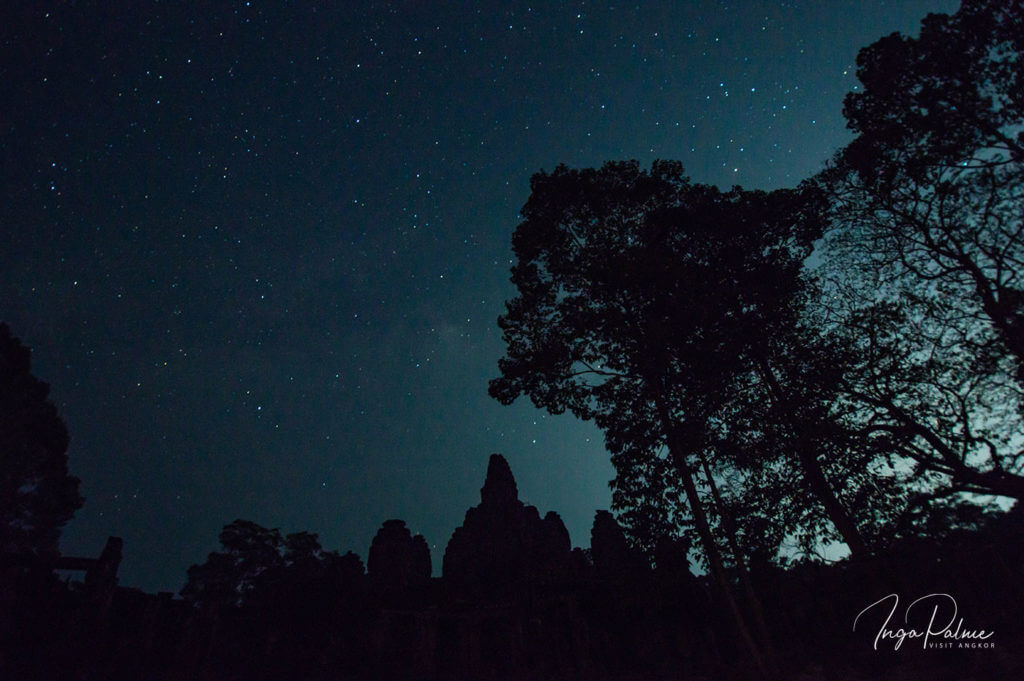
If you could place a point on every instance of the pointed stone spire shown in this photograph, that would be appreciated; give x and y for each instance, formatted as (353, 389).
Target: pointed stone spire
(503, 544)
(499, 487)
(397, 558)
(609, 548)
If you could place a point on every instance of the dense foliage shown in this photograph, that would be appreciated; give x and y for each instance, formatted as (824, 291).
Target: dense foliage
(37, 495)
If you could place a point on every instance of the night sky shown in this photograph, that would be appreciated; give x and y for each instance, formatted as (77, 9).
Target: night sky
(258, 249)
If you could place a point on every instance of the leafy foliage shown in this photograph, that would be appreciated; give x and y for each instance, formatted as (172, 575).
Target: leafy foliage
(256, 562)
(37, 495)
(952, 96)
(924, 258)
(656, 307)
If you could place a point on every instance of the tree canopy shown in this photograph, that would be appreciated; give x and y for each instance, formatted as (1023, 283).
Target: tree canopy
(664, 311)
(37, 495)
(841, 396)
(951, 97)
(645, 302)
(255, 562)
(925, 251)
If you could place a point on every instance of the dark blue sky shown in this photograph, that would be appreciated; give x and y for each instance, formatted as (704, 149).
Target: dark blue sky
(259, 249)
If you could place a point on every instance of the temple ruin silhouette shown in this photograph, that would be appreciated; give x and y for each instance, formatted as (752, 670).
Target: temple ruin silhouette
(514, 601)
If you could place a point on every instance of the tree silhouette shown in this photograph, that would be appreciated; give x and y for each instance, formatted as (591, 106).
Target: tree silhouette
(935, 177)
(649, 499)
(228, 577)
(925, 255)
(954, 95)
(37, 496)
(271, 604)
(642, 301)
(253, 557)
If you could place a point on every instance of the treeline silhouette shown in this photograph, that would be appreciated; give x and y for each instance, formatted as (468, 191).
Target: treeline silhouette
(813, 398)
(515, 601)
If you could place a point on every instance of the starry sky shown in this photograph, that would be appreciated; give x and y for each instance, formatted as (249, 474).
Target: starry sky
(258, 249)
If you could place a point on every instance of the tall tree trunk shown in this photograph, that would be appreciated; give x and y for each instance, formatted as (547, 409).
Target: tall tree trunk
(756, 609)
(811, 467)
(677, 450)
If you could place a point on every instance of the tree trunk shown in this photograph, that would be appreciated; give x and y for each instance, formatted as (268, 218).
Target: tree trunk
(678, 452)
(811, 468)
(756, 609)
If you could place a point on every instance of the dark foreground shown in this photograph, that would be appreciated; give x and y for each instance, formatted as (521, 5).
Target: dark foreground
(516, 602)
